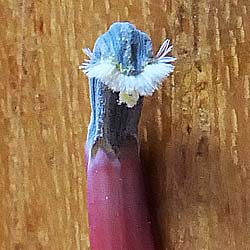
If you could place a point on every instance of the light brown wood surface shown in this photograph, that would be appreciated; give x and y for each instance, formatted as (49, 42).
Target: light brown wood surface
(194, 132)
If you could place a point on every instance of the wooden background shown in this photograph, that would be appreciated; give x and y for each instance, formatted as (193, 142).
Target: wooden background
(194, 132)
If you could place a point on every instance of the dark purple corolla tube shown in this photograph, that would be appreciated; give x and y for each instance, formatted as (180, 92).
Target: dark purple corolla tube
(121, 71)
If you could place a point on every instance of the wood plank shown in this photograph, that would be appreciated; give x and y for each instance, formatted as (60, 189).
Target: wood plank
(194, 131)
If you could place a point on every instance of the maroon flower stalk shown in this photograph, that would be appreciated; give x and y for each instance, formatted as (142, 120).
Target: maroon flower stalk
(118, 216)
(121, 70)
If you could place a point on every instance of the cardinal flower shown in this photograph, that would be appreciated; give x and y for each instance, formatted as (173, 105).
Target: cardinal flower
(121, 70)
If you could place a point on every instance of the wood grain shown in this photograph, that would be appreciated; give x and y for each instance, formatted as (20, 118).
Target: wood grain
(194, 131)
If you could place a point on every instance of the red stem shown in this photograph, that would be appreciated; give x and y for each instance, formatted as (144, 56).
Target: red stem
(117, 209)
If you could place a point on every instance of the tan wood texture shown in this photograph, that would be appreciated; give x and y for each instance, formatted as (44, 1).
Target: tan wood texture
(195, 133)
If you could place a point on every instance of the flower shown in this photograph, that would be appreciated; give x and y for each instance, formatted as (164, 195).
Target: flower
(130, 86)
